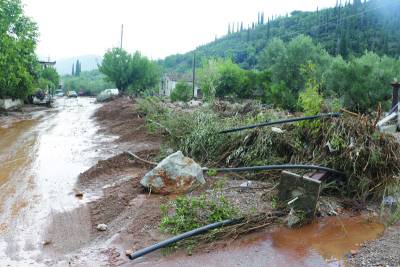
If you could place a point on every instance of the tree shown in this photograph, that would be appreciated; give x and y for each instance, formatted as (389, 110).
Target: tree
(284, 61)
(18, 62)
(182, 92)
(208, 77)
(362, 83)
(230, 80)
(49, 74)
(78, 69)
(116, 66)
(129, 71)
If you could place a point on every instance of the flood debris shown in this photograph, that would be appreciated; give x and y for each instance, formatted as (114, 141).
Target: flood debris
(175, 174)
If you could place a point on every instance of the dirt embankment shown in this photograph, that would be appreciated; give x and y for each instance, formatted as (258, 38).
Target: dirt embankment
(112, 189)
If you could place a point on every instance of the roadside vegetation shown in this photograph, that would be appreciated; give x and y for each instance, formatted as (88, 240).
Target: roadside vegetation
(131, 73)
(88, 82)
(358, 84)
(21, 74)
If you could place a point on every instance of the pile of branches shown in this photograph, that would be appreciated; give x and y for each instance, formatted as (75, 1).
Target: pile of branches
(353, 145)
(369, 159)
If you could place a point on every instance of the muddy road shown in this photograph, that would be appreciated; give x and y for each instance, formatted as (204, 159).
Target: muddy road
(41, 159)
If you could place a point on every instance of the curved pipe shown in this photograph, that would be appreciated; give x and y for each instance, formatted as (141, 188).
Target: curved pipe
(177, 238)
(277, 167)
(327, 115)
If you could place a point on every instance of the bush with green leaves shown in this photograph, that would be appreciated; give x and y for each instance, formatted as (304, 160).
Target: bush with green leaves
(187, 213)
(362, 83)
(182, 92)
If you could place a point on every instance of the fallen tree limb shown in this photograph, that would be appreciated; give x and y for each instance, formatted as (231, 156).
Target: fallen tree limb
(140, 159)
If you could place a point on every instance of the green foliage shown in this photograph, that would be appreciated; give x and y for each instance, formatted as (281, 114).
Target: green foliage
(78, 69)
(182, 92)
(212, 172)
(223, 78)
(187, 213)
(346, 30)
(285, 61)
(310, 100)
(129, 71)
(230, 79)
(209, 77)
(49, 79)
(280, 95)
(362, 83)
(18, 62)
(89, 82)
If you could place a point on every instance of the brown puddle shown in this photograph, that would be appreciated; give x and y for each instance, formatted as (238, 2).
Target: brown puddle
(13, 154)
(332, 237)
(326, 243)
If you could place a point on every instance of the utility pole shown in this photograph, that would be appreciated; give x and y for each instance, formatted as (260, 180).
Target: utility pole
(122, 34)
(395, 96)
(194, 74)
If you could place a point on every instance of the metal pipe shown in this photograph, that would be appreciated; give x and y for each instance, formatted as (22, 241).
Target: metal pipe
(277, 167)
(327, 115)
(177, 238)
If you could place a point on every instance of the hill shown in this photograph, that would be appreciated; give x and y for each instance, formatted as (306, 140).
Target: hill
(88, 63)
(346, 30)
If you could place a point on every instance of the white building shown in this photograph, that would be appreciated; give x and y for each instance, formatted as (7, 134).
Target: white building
(169, 81)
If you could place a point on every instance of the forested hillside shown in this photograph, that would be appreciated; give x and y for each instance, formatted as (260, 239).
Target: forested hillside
(346, 30)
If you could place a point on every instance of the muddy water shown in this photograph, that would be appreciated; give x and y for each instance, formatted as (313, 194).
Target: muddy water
(39, 163)
(326, 243)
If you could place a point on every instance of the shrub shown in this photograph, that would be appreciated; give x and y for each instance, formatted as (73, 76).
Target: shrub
(187, 213)
(182, 92)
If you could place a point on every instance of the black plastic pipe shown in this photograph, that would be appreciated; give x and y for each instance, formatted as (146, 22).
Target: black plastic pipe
(327, 115)
(177, 238)
(277, 167)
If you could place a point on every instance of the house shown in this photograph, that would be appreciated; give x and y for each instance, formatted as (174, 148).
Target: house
(169, 81)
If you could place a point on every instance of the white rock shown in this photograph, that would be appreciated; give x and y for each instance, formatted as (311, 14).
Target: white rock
(175, 174)
(194, 103)
(277, 130)
(101, 227)
(246, 184)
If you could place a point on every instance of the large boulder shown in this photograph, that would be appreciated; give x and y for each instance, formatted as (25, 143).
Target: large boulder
(175, 174)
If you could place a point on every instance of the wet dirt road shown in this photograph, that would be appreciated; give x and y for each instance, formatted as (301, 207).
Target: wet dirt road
(40, 160)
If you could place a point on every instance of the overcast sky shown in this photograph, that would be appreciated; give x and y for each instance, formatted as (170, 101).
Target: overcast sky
(157, 28)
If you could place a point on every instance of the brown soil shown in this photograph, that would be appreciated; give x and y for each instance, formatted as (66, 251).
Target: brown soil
(119, 117)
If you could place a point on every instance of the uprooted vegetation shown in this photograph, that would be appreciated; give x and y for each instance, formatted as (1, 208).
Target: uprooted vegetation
(350, 144)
